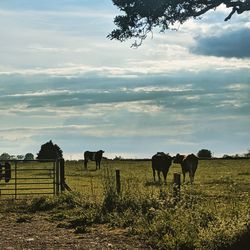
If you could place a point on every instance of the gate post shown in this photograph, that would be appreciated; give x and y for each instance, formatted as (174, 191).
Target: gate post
(62, 175)
(15, 180)
(57, 177)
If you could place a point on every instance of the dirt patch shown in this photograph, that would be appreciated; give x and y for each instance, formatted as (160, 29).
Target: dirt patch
(26, 232)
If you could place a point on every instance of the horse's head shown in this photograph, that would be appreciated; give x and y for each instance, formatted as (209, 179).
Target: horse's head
(178, 158)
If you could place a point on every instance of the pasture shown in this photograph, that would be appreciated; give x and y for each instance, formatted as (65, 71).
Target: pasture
(213, 213)
(214, 178)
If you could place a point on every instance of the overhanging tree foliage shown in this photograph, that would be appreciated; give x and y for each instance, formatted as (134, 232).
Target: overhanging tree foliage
(142, 16)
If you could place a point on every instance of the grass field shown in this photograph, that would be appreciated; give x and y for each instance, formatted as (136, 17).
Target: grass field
(214, 178)
(213, 213)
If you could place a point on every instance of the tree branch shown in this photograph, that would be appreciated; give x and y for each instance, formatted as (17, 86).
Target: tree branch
(209, 7)
(230, 15)
(142, 16)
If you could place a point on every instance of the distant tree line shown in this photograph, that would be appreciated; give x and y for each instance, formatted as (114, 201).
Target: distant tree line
(237, 156)
(5, 156)
(48, 151)
(205, 153)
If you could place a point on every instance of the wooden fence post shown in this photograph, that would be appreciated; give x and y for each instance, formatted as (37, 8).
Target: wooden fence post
(118, 181)
(63, 183)
(57, 182)
(177, 186)
(15, 180)
(62, 174)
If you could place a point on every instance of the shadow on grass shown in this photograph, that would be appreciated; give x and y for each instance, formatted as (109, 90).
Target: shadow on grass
(222, 180)
(242, 243)
(153, 183)
(90, 170)
(244, 173)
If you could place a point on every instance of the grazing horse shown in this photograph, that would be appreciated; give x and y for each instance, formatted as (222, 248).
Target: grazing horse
(93, 156)
(161, 162)
(189, 163)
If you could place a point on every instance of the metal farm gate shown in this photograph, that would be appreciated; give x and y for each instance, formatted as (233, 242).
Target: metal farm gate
(21, 178)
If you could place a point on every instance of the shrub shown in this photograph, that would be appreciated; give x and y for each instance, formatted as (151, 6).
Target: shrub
(204, 153)
(50, 151)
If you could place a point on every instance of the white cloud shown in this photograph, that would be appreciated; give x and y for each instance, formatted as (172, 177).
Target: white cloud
(43, 42)
(40, 48)
(148, 89)
(44, 93)
(238, 86)
(136, 68)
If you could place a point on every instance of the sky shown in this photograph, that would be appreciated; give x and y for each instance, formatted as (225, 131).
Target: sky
(61, 79)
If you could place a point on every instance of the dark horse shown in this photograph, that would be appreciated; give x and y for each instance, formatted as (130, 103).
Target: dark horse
(161, 162)
(93, 156)
(189, 163)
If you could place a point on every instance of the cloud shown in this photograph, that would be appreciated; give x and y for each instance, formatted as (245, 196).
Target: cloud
(61, 79)
(177, 90)
(56, 5)
(232, 43)
(71, 43)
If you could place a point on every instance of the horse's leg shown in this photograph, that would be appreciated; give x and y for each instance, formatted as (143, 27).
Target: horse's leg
(159, 173)
(154, 174)
(85, 163)
(184, 174)
(194, 170)
(191, 176)
(165, 177)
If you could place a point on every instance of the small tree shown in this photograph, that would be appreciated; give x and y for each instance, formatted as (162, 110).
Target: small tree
(29, 156)
(13, 157)
(20, 157)
(204, 153)
(50, 151)
(247, 154)
(117, 158)
(4, 156)
(227, 156)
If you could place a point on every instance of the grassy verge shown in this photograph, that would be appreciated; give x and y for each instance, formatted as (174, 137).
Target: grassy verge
(197, 221)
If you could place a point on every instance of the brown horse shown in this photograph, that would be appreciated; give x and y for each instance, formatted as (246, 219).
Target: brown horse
(189, 163)
(161, 162)
(93, 156)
